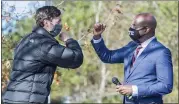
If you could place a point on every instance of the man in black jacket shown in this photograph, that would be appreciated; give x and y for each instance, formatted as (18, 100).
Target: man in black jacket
(37, 56)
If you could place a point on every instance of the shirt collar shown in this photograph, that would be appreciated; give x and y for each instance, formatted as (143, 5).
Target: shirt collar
(145, 43)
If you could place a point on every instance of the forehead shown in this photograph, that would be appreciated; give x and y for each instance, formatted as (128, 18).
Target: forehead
(138, 20)
(57, 19)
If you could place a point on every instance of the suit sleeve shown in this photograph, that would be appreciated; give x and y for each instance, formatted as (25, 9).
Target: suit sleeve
(164, 71)
(109, 56)
(70, 56)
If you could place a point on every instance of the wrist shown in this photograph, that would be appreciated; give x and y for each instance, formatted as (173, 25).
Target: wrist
(66, 39)
(134, 90)
(96, 37)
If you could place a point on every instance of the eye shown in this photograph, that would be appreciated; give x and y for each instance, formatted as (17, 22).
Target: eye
(141, 28)
(132, 25)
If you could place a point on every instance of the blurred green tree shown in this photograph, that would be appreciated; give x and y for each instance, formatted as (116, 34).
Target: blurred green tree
(85, 83)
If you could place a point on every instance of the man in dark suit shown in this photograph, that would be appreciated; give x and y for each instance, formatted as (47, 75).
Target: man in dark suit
(148, 68)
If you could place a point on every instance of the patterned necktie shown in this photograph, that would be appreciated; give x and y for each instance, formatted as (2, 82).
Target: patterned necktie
(135, 54)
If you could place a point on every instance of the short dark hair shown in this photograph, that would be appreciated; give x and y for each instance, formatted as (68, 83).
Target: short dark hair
(46, 12)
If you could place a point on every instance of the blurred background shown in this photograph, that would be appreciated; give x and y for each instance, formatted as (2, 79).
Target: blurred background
(91, 83)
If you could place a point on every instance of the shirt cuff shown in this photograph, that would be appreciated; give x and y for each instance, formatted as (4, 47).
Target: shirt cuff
(134, 90)
(97, 41)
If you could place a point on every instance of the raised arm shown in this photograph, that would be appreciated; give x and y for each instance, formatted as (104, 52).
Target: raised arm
(70, 56)
(106, 55)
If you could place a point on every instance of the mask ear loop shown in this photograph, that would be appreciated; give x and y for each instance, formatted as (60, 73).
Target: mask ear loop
(144, 27)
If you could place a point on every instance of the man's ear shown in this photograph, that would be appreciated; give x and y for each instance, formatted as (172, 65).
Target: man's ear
(45, 22)
(146, 30)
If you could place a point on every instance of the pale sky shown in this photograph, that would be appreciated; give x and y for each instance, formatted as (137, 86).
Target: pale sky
(22, 6)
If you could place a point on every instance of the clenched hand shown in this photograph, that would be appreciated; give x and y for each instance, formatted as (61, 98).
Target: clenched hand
(124, 89)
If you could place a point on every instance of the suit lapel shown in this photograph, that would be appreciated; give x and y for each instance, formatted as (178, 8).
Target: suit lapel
(129, 64)
(146, 51)
(130, 60)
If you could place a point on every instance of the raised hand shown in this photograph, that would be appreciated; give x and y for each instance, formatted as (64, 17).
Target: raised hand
(98, 30)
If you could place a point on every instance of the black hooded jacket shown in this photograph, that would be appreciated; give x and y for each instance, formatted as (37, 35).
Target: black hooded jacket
(35, 60)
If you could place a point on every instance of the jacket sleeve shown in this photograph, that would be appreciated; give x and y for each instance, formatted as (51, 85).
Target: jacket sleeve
(164, 71)
(109, 56)
(70, 56)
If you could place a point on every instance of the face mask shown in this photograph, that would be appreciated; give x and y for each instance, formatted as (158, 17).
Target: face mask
(56, 30)
(134, 34)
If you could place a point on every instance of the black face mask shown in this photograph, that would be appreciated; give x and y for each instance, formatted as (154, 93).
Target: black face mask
(56, 30)
(134, 34)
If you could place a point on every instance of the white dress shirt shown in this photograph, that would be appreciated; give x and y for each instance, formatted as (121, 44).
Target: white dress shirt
(144, 45)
